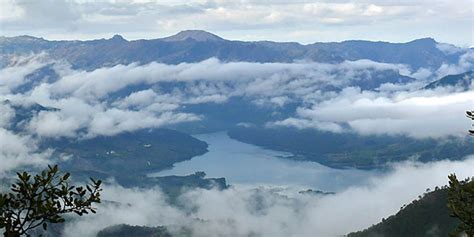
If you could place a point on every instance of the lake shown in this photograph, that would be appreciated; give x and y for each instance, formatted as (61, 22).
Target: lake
(246, 164)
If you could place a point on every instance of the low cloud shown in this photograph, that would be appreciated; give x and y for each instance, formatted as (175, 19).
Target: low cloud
(272, 211)
(110, 100)
(14, 75)
(19, 151)
(419, 114)
(449, 49)
(466, 63)
(6, 115)
(393, 109)
(103, 101)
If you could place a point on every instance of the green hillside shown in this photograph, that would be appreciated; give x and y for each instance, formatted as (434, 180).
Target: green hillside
(428, 216)
(342, 150)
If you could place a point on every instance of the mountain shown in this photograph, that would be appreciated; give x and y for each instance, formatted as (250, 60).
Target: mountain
(193, 46)
(342, 150)
(133, 231)
(23, 114)
(128, 156)
(196, 35)
(315, 192)
(429, 55)
(173, 186)
(463, 80)
(196, 45)
(426, 217)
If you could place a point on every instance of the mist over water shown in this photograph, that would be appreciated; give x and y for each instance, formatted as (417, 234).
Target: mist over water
(266, 210)
(113, 90)
(242, 163)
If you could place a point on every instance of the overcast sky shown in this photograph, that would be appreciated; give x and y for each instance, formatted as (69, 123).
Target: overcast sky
(303, 21)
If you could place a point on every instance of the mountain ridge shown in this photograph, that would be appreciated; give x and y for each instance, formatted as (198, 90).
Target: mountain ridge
(182, 35)
(195, 46)
(463, 80)
(198, 35)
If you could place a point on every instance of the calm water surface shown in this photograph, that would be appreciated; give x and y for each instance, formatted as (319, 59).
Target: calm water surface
(242, 163)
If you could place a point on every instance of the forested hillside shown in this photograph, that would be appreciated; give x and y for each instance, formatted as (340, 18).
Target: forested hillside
(428, 216)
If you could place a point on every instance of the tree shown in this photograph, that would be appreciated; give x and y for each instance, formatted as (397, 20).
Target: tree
(42, 199)
(461, 203)
(461, 198)
(470, 114)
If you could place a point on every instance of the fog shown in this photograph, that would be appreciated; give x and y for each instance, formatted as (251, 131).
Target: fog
(110, 100)
(100, 102)
(419, 114)
(88, 104)
(272, 210)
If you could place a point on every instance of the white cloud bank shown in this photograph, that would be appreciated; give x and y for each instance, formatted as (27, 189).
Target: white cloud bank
(89, 107)
(17, 150)
(86, 99)
(417, 114)
(106, 101)
(103, 101)
(267, 211)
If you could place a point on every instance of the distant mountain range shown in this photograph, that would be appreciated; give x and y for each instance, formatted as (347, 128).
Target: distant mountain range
(130, 156)
(195, 45)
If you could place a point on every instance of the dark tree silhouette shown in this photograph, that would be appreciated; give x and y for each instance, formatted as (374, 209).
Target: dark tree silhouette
(470, 114)
(461, 203)
(461, 198)
(42, 199)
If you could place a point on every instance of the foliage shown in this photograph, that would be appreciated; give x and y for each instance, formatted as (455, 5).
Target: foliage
(430, 216)
(461, 203)
(134, 231)
(470, 114)
(126, 155)
(42, 199)
(173, 186)
(427, 216)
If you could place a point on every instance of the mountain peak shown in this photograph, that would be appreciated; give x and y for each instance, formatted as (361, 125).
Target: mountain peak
(117, 38)
(426, 40)
(197, 35)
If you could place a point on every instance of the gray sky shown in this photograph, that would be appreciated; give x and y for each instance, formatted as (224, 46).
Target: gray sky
(303, 21)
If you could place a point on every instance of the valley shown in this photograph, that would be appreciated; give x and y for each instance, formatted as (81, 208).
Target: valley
(197, 134)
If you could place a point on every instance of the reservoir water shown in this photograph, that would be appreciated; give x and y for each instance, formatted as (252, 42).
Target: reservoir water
(242, 163)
